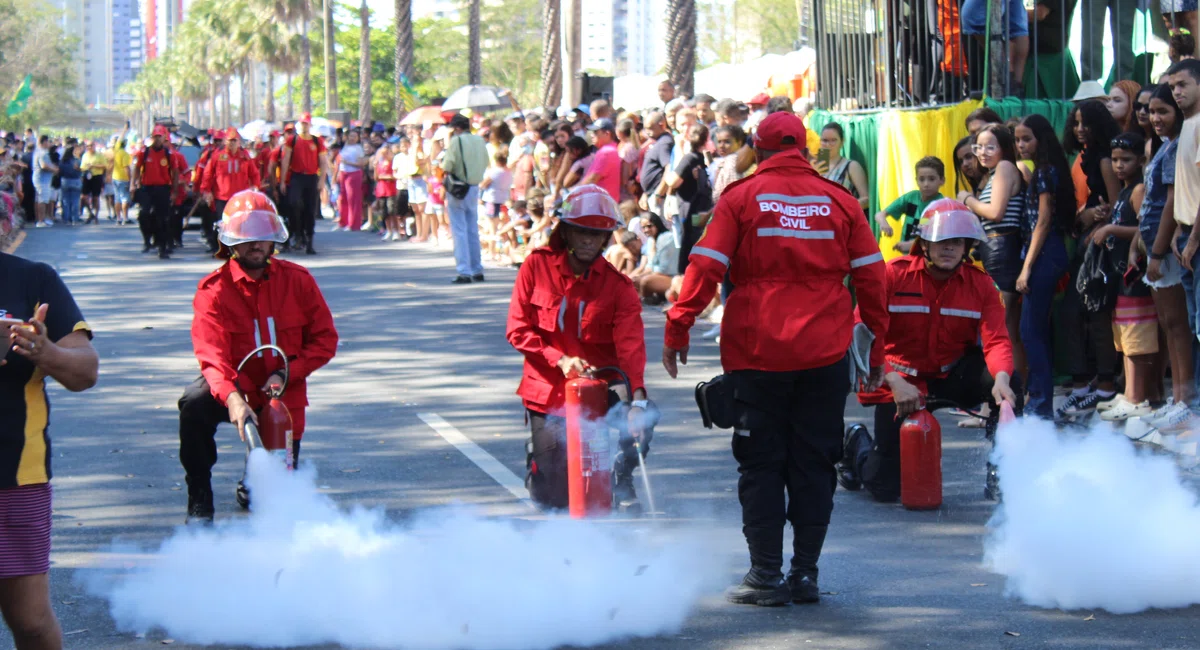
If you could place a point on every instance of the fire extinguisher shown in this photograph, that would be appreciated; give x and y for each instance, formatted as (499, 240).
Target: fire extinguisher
(921, 461)
(274, 430)
(589, 461)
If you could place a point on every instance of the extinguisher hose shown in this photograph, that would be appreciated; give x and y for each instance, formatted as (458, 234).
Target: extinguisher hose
(624, 377)
(282, 355)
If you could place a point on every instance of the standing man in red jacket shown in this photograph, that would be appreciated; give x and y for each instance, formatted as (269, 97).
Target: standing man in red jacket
(941, 307)
(788, 239)
(252, 300)
(572, 311)
(304, 166)
(229, 171)
(157, 173)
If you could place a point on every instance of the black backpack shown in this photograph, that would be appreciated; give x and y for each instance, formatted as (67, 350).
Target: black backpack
(1098, 281)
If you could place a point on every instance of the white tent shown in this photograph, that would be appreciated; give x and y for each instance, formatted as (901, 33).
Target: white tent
(740, 81)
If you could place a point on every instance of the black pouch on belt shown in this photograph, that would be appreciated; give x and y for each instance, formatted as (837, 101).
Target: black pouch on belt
(715, 399)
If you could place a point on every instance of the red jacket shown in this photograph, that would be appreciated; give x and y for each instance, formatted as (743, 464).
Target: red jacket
(596, 317)
(201, 163)
(788, 238)
(933, 326)
(234, 315)
(227, 174)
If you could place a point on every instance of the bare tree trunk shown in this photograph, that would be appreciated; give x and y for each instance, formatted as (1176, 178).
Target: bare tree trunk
(306, 55)
(290, 98)
(331, 99)
(551, 53)
(269, 109)
(475, 65)
(681, 45)
(404, 56)
(212, 103)
(244, 92)
(572, 66)
(364, 65)
(226, 113)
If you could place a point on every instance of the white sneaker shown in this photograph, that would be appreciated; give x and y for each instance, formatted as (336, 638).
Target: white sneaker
(717, 315)
(1181, 420)
(1125, 410)
(43, 224)
(712, 333)
(1112, 403)
(1164, 414)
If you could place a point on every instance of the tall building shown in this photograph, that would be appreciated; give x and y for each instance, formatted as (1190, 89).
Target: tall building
(623, 36)
(160, 18)
(109, 36)
(127, 47)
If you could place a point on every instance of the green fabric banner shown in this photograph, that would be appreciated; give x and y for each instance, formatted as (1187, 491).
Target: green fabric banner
(21, 100)
(862, 143)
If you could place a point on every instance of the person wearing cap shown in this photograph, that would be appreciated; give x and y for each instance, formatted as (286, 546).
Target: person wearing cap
(788, 238)
(465, 159)
(571, 312)
(605, 170)
(253, 299)
(156, 172)
(229, 171)
(941, 307)
(303, 169)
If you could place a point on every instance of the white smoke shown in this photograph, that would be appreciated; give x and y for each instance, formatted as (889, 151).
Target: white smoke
(1091, 522)
(300, 571)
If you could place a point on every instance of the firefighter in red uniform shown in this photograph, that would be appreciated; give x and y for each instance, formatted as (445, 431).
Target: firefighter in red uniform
(941, 306)
(228, 172)
(571, 312)
(251, 300)
(304, 166)
(788, 238)
(178, 197)
(154, 172)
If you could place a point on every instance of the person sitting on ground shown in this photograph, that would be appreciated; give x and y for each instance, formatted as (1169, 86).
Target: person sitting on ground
(515, 232)
(625, 253)
(654, 280)
(933, 289)
(931, 175)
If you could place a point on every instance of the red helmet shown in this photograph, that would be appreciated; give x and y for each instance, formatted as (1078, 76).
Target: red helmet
(161, 130)
(949, 219)
(251, 216)
(591, 207)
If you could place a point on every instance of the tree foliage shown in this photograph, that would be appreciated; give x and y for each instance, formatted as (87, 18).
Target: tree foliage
(32, 42)
(741, 30)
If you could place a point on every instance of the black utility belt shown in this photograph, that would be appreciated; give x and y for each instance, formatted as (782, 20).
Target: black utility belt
(715, 399)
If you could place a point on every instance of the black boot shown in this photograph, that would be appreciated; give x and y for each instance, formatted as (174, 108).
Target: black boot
(242, 495)
(762, 587)
(855, 447)
(624, 496)
(200, 503)
(807, 542)
(991, 489)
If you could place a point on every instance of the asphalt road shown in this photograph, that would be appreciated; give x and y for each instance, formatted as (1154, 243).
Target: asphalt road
(412, 344)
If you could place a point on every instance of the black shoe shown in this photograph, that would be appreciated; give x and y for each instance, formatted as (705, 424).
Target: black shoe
(623, 493)
(991, 489)
(478, 277)
(310, 251)
(461, 279)
(164, 255)
(857, 437)
(804, 589)
(211, 250)
(177, 244)
(760, 587)
(200, 505)
(242, 495)
(147, 248)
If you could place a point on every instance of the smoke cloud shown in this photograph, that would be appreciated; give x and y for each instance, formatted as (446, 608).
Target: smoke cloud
(300, 571)
(1092, 522)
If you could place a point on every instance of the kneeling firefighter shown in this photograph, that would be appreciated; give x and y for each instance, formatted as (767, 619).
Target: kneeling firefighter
(941, 306)
(573, 313)
(252, 300)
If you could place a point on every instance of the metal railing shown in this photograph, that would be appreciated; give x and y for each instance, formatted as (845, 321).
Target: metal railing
(875, 54)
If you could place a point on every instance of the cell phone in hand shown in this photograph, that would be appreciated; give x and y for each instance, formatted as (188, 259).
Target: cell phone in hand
(822, 162)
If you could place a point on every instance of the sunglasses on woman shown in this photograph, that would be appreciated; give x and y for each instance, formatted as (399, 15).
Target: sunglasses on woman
(1139, 107)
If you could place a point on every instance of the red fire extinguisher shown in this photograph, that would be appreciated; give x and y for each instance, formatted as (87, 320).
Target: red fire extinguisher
(921, 461)
(589, 462)
(274, 430)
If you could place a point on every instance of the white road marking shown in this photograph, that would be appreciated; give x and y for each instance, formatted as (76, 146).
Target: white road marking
(481, 458)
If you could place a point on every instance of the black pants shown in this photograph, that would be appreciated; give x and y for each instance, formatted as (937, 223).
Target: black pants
(304, 199)
(548, 472)
(787, 439)
(209, 221)
(199, 416)
(968, 384)
(155, 217)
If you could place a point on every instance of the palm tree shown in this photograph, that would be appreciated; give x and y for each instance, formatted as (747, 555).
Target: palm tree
(551, 53)
(681, 45)
(331, 97)
(293, 12)
(404, 55)
(475, 66)
(364, 65)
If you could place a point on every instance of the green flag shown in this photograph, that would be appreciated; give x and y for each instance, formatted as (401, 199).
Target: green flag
(21, 99)
(408, 95)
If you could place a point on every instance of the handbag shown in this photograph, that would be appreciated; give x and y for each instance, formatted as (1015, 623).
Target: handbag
(455, 186)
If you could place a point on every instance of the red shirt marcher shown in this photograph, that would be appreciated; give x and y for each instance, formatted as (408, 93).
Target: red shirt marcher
(155, 166)
(201, 163)
(933, 324)
(179, 194)
(384, 187)
(235, 314)
(306, 154)
(788, 239)
(596, 317)
(227, 174)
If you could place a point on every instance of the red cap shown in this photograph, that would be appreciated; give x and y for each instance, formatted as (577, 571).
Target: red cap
(760, 99)
(775, 127)
(232, 134)
(276, 134)
(161, 130)
(216, 134)
(305, 118)
(289, 127)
